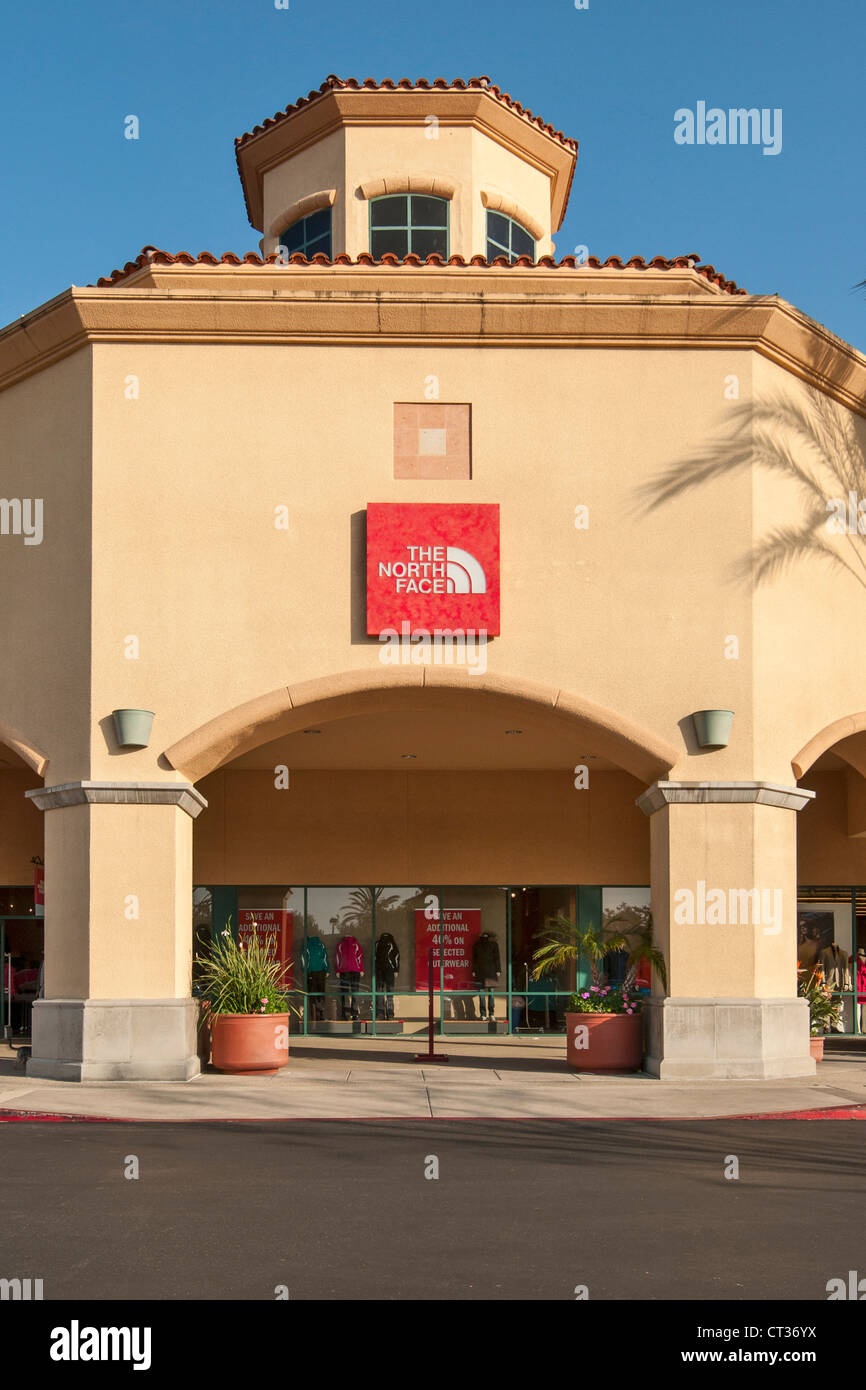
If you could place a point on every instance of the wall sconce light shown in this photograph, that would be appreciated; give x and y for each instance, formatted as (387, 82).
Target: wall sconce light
(132, 727)
(713, 727)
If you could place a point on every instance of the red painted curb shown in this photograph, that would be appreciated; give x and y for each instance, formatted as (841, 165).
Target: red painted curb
(22, 1116)
(852, 1112)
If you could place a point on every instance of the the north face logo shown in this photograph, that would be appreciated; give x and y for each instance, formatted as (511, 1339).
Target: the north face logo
(435, 569)
(432, 566)
(464, 572)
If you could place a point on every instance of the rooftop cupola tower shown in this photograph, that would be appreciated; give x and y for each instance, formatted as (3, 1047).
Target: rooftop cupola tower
(408, 168)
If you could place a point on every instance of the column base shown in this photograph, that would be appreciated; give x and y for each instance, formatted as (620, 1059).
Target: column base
(709, 1039)
(114, 1040)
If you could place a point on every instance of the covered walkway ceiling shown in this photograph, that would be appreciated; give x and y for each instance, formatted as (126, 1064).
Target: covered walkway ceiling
(471, 740)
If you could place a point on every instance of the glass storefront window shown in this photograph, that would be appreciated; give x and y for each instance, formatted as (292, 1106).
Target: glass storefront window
(625, 912)
(202, 929)
(337, 949)
(22, 953)
(360, 953)
(401, 917)
(473, 932)
(273, 912)
(825, 939)
(538, 1006)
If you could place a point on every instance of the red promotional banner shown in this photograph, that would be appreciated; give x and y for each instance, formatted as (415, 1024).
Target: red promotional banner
(39, 891)
(454, 936)
(273, 928)
(434, 566)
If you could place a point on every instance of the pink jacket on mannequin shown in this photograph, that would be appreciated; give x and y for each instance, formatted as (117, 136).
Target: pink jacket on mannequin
(349, 956)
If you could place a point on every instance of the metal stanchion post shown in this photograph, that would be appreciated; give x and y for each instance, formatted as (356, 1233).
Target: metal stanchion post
(430, 1055)
(7, 991)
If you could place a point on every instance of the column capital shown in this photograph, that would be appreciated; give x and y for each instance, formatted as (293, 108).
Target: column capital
(182, 794)
(701, 793)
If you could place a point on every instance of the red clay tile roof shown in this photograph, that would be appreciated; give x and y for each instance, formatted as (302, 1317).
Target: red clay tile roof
(351, 84)
(150, 255)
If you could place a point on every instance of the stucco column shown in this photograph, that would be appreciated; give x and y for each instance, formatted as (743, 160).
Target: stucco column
(724, 896)
(118, 933)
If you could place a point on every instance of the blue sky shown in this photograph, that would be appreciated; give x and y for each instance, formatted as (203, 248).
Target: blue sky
(79, 199)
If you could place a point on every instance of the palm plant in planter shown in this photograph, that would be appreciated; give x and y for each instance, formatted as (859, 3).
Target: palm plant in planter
(245, 1004)
(603, 1031)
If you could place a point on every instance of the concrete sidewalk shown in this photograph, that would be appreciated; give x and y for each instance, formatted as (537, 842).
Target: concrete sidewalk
(330, 1078)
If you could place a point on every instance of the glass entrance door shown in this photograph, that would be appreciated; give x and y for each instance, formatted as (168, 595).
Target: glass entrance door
(22, 952)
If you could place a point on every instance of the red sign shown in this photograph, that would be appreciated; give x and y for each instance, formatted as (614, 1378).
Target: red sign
(454, 937)
(272, 926)
(39, 891)
(433, 566)
(644, 975)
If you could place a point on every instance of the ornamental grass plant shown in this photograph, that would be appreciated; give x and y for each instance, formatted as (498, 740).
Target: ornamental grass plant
(244, 977)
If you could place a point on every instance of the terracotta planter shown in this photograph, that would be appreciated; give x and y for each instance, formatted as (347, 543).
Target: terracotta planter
(250, 1044)
(604, 1042)
(816, 1048)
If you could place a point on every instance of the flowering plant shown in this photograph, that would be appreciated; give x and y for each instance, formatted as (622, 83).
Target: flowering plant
(243, 978)
(824, 1008)
(605, 999)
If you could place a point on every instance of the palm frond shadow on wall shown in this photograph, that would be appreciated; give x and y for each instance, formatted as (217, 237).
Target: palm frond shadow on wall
(816, 444)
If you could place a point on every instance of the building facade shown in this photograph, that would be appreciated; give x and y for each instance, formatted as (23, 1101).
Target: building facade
(423, 549)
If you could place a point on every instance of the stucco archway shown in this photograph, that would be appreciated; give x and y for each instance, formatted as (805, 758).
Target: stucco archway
(24, 748)
(291, 708)
(845, 736)
(844, 740)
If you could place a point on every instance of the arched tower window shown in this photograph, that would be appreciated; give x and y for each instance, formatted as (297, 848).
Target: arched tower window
(409, 222)
(505, 237)
(310, 235)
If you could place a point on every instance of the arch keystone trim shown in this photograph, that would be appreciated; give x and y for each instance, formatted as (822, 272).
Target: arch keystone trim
(314, 202)
(498, 202)
(433, 184)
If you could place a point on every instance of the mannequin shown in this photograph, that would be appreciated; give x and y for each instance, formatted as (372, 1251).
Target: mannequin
(349, 965)
(387, 969)
(861, 985)
(809, 948)
(836, 964)
(486, 968)
(314, 958)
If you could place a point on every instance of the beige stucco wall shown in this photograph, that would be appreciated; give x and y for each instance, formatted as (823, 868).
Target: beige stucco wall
(826, 852)
(395, 827)
(45, 452)
(631, 614)
(21, 827)
(317, 168)
(725, 847)
(809, 668)
(541, 829)
(118, 913)
(226, 607)
(496, 170)
(592, 838)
